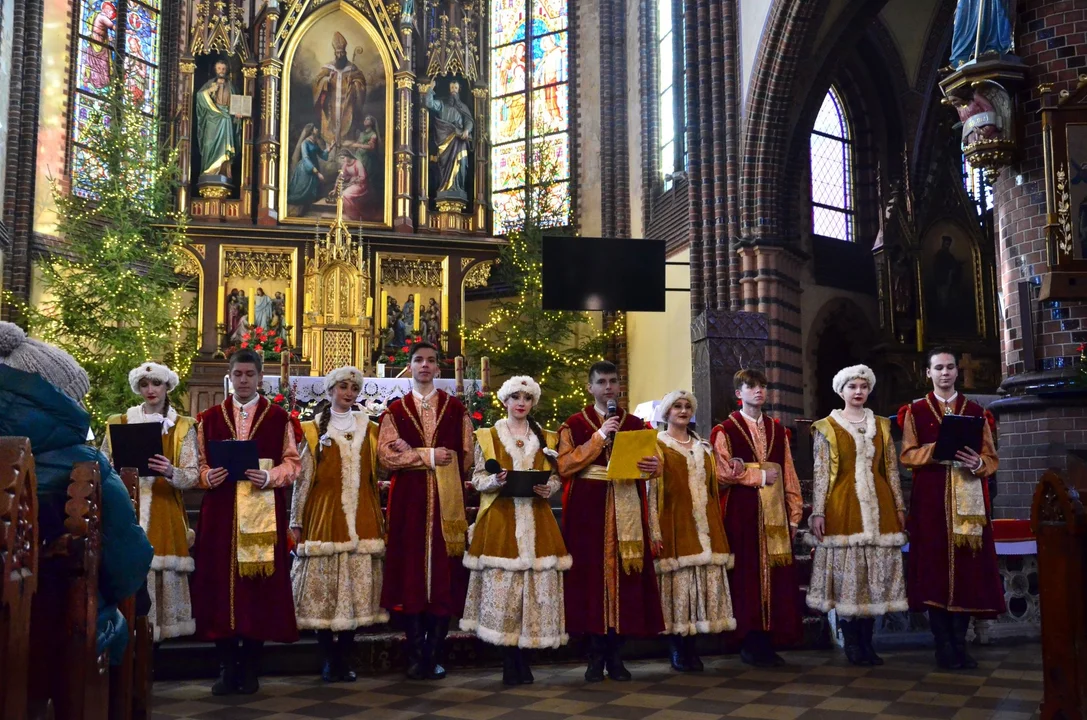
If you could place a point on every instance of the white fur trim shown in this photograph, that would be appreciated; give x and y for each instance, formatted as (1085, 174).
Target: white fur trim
(173, 562)
(704, 627)
(669, 400)
(523, 457)
(347, 372)
(704, 558)
(844, 375)
(180, 629)
(316, 548)
(190, 536)
(864, 610)
(696, 484)
(146, 483)
(519, 383)
(493, 637)
(524, 524)
(341, 624)
(154, 371)
(551, 562)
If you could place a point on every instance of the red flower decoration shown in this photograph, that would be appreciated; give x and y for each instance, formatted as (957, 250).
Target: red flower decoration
(278, 398)
(272, 334)
(477, 416)
(391, 358)
(245, 344)
(245, 336)
(405, 349)
(294, 413)
(259, 348)
(479, 394)
(418, 339)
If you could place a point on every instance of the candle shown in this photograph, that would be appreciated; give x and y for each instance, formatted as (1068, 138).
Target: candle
(920, 336)
(369, 307)
(221, 310)
(485, 373)
(416, 318)
(458, 370)
(384, 309)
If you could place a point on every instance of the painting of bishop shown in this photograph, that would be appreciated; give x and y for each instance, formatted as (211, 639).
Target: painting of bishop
(337, 120)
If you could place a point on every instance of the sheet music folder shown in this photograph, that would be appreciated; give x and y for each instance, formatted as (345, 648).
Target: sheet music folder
(133, 444)
(236, 456)
(519, 483)
(957, 432)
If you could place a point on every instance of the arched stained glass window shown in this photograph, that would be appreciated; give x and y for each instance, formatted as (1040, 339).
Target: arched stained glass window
(671, 98)
(530, 100)
(832, 171)
(101, 23)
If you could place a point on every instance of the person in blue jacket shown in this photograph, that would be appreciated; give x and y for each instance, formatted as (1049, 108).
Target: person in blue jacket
(41, 388)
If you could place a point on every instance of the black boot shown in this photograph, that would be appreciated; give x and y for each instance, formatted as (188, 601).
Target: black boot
(867, 630)
(960, 622)
(675, 653)
(523, 670)
(597, 648)
(940, 622)
(345, 642)
(250, 666)
(413, 641)
(227, 684)
(327, 645)
(690, 654)
(854, 653)
(510, 676)
(749, 650)
(613, 661)
(436, 630)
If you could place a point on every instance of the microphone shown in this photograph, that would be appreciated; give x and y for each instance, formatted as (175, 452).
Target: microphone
(493, 466)
(613, 411)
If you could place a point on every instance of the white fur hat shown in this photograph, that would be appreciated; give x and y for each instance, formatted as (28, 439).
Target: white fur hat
(670, 399)
(152, 371)
(348, 372)
(853, 371)
(519, 383)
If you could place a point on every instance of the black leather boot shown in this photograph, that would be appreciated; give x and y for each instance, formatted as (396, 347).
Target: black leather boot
(613, 661)
(597, 647)
(960, 623)
(227, 684)
(436, 630)
(523, 670)
(675, 653)
(345, 644)
(510, 675)
(867, 630)
(853, 651)
(940, 622)
(327, 644)
(413, 641)
(690, 654)
(249, 683)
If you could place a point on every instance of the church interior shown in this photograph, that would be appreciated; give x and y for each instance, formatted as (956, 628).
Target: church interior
(835, 182)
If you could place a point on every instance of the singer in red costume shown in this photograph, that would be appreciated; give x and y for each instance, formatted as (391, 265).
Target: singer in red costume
(951, 569)
(426, 442)
(753, 456)
(241, 585)
(611, 589)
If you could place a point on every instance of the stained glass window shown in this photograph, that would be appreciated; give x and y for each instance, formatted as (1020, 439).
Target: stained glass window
(671, 98)
(979, 189)
(530, 118)
(101, 22)
(832, 171)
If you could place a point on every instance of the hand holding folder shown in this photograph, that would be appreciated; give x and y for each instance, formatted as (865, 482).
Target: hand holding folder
(234, 456)
(632, 447)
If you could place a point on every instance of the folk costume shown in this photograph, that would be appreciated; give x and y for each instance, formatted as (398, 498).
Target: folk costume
(241, 587)
(611, 589)
(692, 567)
(759, 523)
(162, 508)
(857, 569)
(426, 527)
(517, 556)
(952, 567)
(340, 559)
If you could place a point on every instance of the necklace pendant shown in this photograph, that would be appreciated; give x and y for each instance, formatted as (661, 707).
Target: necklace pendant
(245, 414)
(520, 443)
(426, 405)
(348, 436)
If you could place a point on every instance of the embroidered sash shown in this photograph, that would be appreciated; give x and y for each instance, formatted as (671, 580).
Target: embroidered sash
(255, 513)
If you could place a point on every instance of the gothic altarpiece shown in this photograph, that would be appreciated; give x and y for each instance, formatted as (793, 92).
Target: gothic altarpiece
(336, 163)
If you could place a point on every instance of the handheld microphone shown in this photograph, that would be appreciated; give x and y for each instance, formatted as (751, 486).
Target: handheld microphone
(493, 466)
(613, 411)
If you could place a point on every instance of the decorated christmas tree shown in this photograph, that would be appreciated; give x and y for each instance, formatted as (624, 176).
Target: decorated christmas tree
(520, 337)
(111, 295)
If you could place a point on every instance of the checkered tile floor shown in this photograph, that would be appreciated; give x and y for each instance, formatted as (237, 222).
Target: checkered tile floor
(813, 686)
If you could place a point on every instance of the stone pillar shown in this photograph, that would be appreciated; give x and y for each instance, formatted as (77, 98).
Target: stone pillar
(1044, 415)
(268, 146)
(404, 153)
(722, 343)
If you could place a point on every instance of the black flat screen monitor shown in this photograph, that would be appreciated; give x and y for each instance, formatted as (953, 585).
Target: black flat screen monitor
(612, 274)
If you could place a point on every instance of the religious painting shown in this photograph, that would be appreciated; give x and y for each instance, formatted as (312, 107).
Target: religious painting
(256, 291)
(412, 303)
(337, 122)
(1077, 187)
(949, 262)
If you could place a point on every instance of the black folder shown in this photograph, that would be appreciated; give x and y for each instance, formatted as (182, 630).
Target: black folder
(133, 444)
(957, 432)
(519, 483)
(236, 456)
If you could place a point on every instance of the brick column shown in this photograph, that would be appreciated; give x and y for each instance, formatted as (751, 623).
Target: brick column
(1043, 417)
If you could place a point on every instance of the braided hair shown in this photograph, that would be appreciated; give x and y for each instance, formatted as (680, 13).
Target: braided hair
(166, 405)
(324, 411)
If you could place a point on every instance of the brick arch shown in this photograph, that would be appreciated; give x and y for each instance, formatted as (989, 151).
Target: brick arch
(841, 335)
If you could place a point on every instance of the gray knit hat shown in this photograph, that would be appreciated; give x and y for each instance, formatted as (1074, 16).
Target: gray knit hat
(34, 356)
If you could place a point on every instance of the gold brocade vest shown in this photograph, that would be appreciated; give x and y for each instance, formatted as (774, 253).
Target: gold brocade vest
(680, 529)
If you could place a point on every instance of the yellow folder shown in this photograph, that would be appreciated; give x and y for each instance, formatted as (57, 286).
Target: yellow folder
(629, 447)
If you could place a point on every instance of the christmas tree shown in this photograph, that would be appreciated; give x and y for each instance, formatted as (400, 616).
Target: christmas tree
(113, 299)
(520, 337)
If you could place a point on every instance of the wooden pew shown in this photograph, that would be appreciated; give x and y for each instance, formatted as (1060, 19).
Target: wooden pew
(65, 670)
(19, 564)
(1059, 521)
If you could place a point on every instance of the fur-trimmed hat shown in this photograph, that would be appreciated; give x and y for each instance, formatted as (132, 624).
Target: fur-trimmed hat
(347, 372)
(519, 383)
(853, 371)
(152, 371)
(670, 399)
(34, 356)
